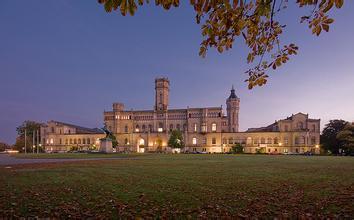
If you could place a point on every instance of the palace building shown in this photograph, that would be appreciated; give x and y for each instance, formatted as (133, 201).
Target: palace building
(206, 129)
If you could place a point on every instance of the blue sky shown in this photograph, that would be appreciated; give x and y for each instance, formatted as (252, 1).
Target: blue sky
(69, 60)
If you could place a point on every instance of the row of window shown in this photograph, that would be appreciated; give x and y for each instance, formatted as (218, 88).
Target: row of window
(149, 127)
(71, 141)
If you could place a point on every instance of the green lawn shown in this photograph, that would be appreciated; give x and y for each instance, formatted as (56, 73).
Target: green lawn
(182, 186)
(74, 155)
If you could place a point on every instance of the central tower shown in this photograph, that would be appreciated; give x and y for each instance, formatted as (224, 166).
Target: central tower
(233, 106)
(162, 89)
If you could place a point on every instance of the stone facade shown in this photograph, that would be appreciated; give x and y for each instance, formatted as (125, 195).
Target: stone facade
(206, 130)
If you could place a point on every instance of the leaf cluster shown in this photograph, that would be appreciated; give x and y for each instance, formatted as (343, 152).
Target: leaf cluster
(254, 21)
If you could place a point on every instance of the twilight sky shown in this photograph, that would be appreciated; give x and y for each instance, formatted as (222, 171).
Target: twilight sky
(69, 60)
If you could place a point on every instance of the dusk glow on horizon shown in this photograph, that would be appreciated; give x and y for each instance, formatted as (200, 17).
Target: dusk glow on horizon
(70, 60)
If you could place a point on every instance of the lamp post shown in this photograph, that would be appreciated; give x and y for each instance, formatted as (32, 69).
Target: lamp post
(40, 146)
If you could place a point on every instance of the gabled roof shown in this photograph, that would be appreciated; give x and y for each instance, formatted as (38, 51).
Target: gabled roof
(80, 129)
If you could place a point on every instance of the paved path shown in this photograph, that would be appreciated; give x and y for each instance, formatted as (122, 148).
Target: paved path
(7, 160)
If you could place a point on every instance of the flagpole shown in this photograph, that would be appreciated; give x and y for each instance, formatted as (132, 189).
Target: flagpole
(33, 134)
(37, 141)
(25, 141)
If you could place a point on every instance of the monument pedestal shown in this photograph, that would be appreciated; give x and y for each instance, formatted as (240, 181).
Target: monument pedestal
(106, 146)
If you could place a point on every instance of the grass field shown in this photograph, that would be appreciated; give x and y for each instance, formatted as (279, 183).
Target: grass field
(182, 186)
(74, 155)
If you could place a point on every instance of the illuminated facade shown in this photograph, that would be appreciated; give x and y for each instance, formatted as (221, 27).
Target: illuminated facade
(207, 130)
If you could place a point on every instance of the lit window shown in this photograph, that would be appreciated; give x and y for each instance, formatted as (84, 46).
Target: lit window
(194, 141)
(51, 141)
(160, 130)
(213, 127)
(195, 127)
(204, 127)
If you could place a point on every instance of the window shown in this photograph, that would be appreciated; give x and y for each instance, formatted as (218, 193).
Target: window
(171, 127)
(255, 141)
(69, 131)
(126, 129)
(204, 127)
(79, 141)
(59, 140)
(204, 140)
(300, 125)
(137, 128)
(88, 141)
(286, 141)
(52, 129)
(275, 140)
(262, 140)
(286, 150)
(178, 127)
(126, 141)
(269, 141)
(194, 141)
(83, 141)
(313, 127)
(195, 127)
(71, 141)
(224, 141)
(51, 141)
(286, 128)
(66, 141)
(150, 128)
(213, 127)
(313, 140)
(213, 141)
(184, 127)
(231, 141)
(143, 128)
(75, 141)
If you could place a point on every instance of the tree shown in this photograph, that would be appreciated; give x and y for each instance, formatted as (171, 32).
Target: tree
(3, 146)
(176, 139)
(237, 149)
(31, 127)
(346, 137)
(329, 139)
(254, 21)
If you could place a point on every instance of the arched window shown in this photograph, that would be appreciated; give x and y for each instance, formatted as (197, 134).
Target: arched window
(143, 128)
(213, 127)
(275, 140)
(75, 141)
(249, 140)
(297, 140)
(71, 141)
(178, 127)
(269, 141)
(194, 141)
(88, 141)
(83, 141)
(66, 141)
(300, 125)
(262, 140)
(171, 127)
(79, 141)
(137, 128)
(126, 141)
(150, 128)
(231, 140)
(255, 141)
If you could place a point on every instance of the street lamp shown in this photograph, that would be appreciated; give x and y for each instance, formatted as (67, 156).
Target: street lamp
(40, 146)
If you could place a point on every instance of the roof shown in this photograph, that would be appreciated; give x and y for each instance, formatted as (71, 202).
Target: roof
(269, 128)
(233, 94)
(80, 129)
